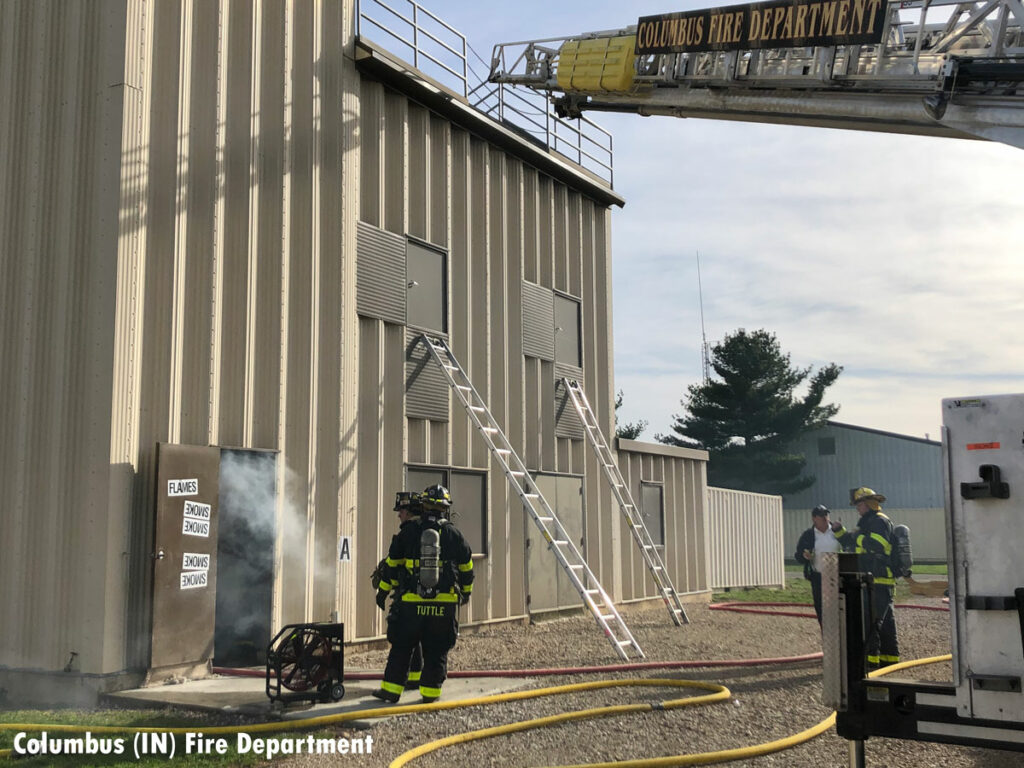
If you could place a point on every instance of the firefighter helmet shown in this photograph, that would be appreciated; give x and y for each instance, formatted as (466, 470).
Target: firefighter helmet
(406, 500)
(864, 494)
(437, 499)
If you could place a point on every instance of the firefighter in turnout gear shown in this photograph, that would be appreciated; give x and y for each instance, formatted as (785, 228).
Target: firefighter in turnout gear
(432, 561)
(873, 541)
(408, 507)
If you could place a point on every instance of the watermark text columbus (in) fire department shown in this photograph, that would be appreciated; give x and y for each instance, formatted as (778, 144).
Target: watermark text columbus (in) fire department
(163, 743)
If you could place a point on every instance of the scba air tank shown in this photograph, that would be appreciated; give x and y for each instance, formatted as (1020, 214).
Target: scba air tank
(430, 558)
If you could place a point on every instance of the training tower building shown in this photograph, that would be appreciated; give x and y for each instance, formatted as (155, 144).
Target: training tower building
(226, 227)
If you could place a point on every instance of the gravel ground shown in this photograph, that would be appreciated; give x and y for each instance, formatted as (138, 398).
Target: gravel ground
(768, 702)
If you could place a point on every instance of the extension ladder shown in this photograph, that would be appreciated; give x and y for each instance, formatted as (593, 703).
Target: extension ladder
(568, 556)
(620, 490)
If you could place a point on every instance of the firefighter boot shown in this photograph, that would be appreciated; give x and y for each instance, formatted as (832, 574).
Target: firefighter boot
(388, 696)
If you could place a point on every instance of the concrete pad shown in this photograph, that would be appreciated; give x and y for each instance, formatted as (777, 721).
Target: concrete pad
(248, 696)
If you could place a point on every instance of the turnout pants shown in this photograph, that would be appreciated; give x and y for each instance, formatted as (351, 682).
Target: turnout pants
(882, 647)
(434, 628)
(412, 683)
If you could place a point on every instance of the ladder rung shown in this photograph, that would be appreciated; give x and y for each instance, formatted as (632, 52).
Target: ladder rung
(464, 387)
(477, 408)
(451, 367)
(592, 591)
(502, 450)
(577, 565)
(516, 473)
(489, 429)
(560, 542)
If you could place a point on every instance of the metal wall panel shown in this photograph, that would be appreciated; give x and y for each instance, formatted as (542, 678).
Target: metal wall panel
(567, 421)
(538, 321)
(741, 560)
(681, 474)
(380, 274)
(59, 144)
(194, 229)
(908, 470)
(426, 390)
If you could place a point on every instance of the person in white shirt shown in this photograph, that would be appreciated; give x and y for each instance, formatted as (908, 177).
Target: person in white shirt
(813, 543)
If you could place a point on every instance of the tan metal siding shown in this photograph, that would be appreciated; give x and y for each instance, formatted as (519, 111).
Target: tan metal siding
(248, 231)
(531, 225)
(371, 135)
(58, 241)
(538, 321)
(567, 421)
(426, 390)
(461, 286)
(685, 552)
(503, 503)
(380, 274)
(737, 558)
(395, 176)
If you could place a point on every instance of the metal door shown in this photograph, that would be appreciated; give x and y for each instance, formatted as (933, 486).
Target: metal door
(548, 585)
(185, 555)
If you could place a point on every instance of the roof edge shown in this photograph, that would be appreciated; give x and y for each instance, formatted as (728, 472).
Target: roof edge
(873, 431)
(660, 449)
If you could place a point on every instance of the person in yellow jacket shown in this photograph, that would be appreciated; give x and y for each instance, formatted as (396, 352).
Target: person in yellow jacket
(873, 541)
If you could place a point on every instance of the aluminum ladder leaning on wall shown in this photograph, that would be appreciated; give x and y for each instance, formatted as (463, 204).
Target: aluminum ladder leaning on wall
(569, 557)
(620, 490)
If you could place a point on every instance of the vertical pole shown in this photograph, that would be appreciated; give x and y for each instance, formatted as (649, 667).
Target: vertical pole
(856, 754)
(415, 36)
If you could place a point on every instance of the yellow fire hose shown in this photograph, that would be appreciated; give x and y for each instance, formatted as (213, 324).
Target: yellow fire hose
(718, 693)
(701, 758)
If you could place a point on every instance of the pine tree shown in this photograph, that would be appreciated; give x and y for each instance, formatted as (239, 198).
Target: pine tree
(747, 416)
(630, 430)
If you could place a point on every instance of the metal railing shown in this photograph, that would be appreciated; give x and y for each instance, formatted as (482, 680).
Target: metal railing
(441, 52)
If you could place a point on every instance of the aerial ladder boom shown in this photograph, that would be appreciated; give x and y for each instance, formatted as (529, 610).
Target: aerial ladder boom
(961, 76)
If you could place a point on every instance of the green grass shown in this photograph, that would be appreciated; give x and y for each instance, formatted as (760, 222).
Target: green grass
(798, 589)
(138, 718)
(935, 568)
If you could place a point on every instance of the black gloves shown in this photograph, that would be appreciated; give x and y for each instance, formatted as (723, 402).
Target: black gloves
(382, 598)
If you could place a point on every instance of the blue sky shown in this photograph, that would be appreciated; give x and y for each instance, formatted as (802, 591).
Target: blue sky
(900, 258)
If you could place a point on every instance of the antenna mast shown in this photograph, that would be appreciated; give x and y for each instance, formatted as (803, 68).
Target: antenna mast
(705, 358)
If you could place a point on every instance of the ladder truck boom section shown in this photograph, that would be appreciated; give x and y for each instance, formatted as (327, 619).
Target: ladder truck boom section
(926, 67)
